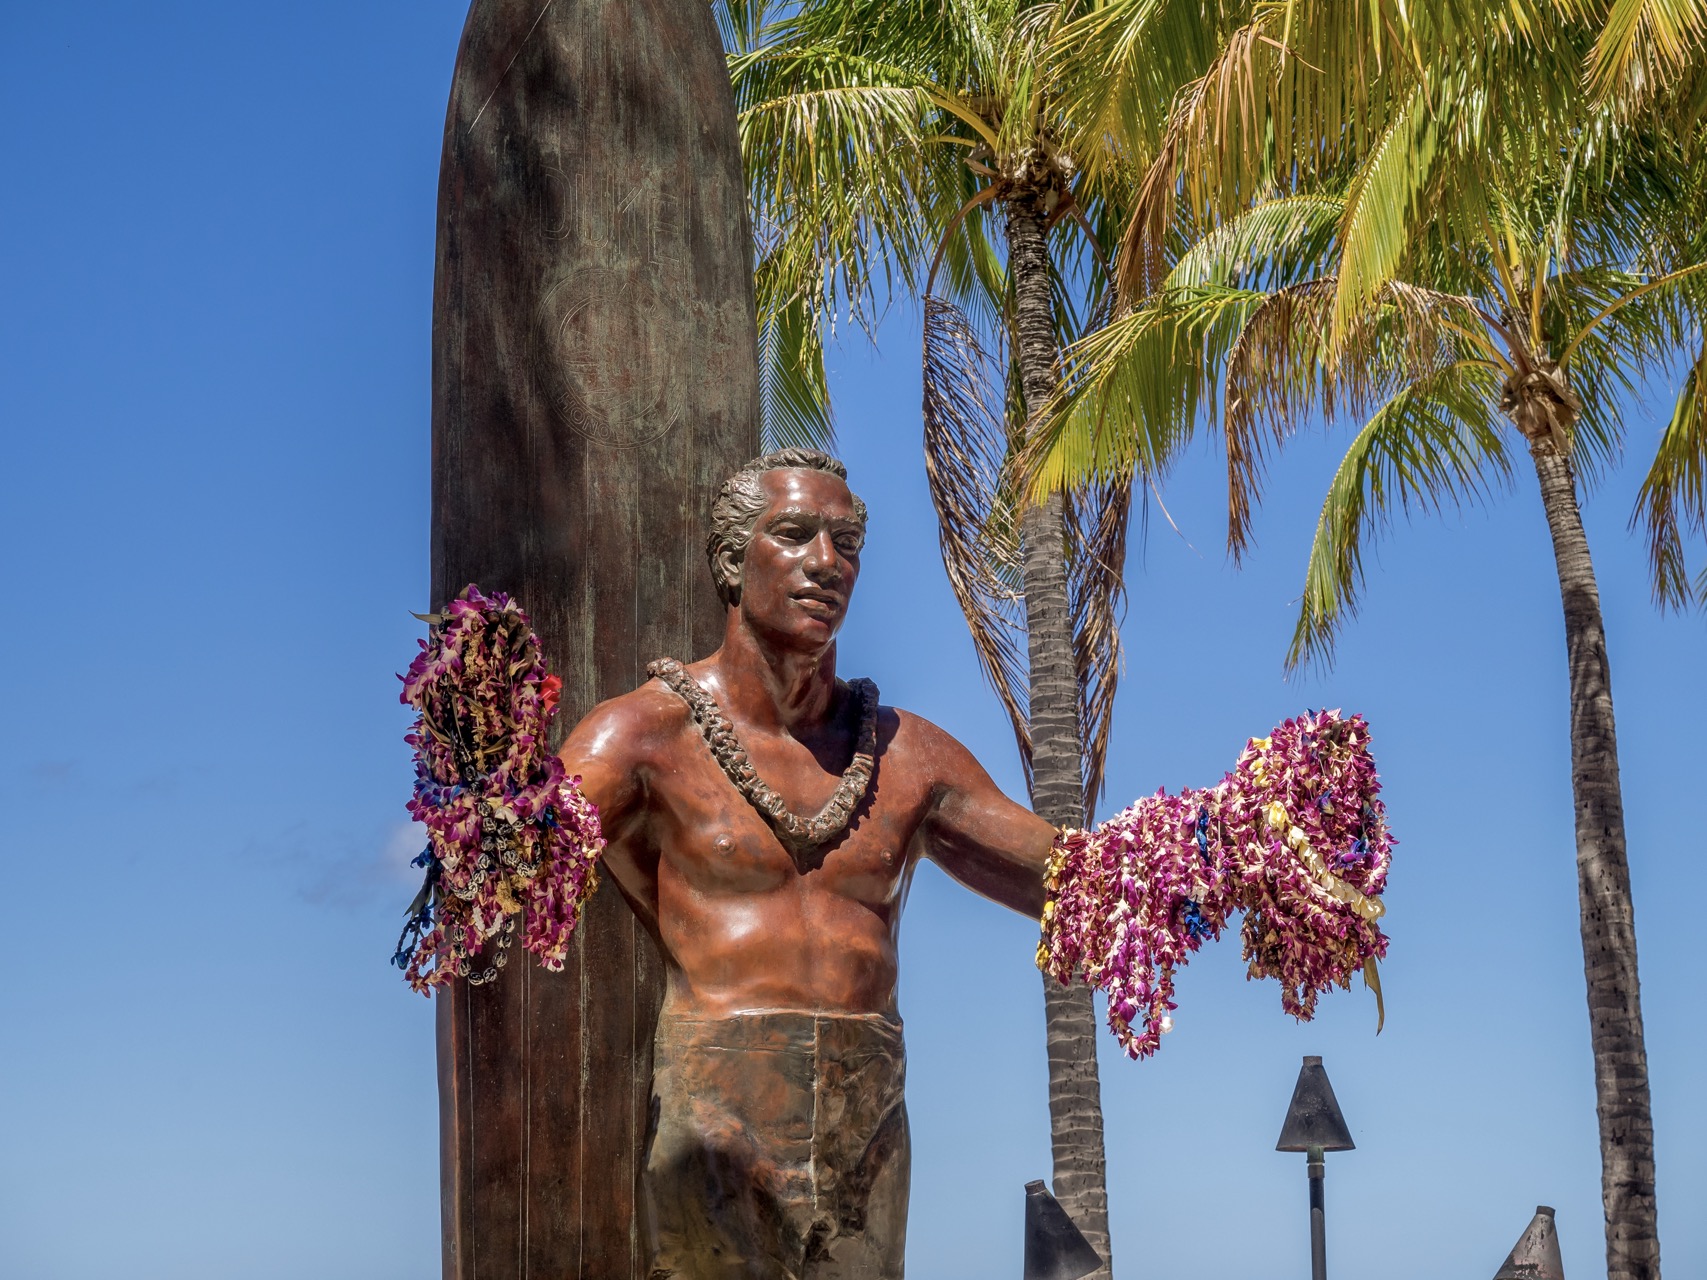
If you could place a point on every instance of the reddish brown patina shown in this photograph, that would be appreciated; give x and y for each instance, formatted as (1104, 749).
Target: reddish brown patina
(748, 927)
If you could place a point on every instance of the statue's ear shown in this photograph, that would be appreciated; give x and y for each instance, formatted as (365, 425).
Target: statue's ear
(729, 564)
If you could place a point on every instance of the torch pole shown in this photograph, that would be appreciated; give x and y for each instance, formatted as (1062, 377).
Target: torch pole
(1318, 1219)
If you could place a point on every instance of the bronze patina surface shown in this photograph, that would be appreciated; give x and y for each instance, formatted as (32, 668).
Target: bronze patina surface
(779, 1148)
(772, 1159)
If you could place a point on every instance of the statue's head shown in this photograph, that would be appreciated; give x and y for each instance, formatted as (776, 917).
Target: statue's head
(792, 514)
(744, 499)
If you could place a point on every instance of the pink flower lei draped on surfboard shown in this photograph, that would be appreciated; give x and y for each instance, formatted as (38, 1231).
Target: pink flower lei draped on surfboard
(1295, 837)
(507, 832)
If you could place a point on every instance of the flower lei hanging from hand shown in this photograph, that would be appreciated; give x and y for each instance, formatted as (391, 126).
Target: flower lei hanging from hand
(506, 830)
(1295, 837)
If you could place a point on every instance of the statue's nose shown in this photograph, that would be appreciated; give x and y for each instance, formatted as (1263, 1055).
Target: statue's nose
(821, 557)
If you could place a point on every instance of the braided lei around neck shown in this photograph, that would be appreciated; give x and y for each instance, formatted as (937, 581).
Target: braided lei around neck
(506, 830)
(1295, 837)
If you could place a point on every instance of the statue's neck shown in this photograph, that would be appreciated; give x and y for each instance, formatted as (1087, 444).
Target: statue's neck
(779, 689)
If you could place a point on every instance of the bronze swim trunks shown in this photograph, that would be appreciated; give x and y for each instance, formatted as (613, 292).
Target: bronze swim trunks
(778, 1149)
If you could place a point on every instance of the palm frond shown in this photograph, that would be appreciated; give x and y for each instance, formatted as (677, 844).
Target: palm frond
(974, 272)
(836, 143)
(953, 43)
(1134, 389)
(1119, 65)
(1274, 241)
(1203, 130)
(794, 396)
(1025, 79)
(1673, 496)
(1436, 442)
(1293, 95)
(1648, 314)
(741, 23)
(1645, 45)
(1623, 325)
(1383, 200)
(813, 115)
(1283, 365)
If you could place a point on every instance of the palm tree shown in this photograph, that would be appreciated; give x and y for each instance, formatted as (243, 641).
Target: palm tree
(1490, 254)
(895, 148)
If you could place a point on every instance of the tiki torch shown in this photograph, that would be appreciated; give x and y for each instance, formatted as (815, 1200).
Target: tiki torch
(1314, 1126)
(1055, 1248)
(1535, 1256)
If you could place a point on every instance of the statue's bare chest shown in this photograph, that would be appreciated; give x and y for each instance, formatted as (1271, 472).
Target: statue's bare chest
(711, 837)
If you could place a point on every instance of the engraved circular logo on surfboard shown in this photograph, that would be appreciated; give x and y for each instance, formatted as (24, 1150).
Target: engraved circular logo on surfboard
(605, 366)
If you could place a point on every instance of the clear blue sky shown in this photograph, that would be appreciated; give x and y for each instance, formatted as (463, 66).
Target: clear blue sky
(216, 260)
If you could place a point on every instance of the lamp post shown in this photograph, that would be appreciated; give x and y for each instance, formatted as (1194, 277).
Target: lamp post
(1314, 1126)
(1055, 1248)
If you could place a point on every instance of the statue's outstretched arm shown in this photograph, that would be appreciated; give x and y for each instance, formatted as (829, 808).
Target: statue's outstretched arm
(1295, 839)
(978, 835)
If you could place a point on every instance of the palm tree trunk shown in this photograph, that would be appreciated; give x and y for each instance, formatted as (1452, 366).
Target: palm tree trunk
(1603, 889)
(1057, 760)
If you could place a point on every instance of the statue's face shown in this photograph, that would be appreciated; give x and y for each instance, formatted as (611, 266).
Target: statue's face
(801, 565)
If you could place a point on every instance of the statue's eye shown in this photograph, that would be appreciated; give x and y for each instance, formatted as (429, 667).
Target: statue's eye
(849, 544)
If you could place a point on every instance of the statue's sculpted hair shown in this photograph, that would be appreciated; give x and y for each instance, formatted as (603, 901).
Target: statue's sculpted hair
(742, 500)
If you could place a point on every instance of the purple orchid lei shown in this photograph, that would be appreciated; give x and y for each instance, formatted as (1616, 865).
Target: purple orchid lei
(1295, 837)
(508, 835)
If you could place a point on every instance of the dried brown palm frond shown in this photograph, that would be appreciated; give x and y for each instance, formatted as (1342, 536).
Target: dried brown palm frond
(1141, 265)
(966, 450)
(1097, 522)
(1273, 372)
(970, 448)
(1205, 116)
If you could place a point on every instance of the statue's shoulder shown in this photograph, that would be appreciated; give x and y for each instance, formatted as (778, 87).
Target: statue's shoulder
(911, 724)
(908, 735)
(632, 727)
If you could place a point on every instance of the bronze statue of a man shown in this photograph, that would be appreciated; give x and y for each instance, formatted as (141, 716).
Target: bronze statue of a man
(764, 819)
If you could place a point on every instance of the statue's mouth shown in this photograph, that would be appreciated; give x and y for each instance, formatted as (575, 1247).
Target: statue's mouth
(814, 596)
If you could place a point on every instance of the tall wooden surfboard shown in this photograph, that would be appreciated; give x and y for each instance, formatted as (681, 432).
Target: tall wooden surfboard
(594, 380)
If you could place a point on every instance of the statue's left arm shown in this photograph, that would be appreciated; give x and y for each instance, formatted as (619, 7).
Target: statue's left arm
(977, 834)
(1294, 839)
